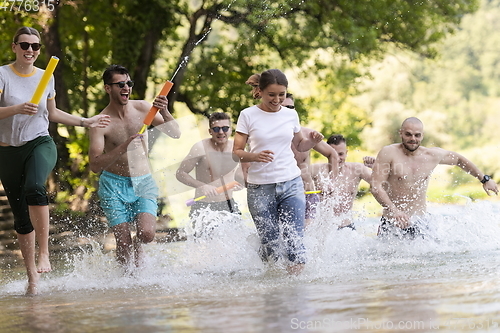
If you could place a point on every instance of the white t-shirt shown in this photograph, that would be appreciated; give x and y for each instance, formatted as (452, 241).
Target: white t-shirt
(17, 88)
(270, 131)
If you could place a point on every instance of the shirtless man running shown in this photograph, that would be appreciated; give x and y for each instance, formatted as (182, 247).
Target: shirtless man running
(341, 190)
(127, 190)
(401, 176)
(214, 166)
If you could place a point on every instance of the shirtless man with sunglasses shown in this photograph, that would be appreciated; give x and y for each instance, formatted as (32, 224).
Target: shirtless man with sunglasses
(214, 166)
(127, 190)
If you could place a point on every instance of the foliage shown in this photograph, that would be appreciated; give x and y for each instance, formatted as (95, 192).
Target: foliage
(456, 95)
(216, 45)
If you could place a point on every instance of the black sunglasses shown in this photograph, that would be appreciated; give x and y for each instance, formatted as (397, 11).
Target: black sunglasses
(26, 45)
(217, 129)
(289, 106)
(122, 84)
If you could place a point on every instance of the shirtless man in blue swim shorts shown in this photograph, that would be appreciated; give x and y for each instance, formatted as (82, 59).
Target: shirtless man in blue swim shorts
(127, 190)
(401, 176)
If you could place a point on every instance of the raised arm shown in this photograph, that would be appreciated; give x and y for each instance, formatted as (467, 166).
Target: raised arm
(164, 120)
(331, 154)
(303, 143)
(365, 173)
(366, 168)
(322, 178)
(368, 161)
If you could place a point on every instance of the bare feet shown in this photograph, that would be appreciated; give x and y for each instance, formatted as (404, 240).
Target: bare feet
(43, 263)
(32, 288)
(295, 269)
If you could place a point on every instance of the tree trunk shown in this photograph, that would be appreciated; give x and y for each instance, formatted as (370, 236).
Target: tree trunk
(53, 47)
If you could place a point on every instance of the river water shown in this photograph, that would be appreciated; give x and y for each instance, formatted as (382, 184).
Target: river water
(353, 282)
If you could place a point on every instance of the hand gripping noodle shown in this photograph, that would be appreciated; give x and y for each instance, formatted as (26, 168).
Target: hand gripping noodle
(219, 190)
(152, 112)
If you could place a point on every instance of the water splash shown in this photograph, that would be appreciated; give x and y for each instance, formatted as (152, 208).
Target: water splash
(182, 64)
(223, 248)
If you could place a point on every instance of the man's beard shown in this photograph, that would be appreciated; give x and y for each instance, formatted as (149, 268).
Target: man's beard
(409, 149)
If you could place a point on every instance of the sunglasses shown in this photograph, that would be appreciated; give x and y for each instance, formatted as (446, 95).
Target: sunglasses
(217, 129)
(289, 106)
(122, 84)
(26, 45)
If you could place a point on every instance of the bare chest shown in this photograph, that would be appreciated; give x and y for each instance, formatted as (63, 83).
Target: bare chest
(347, 180)
(218, 163)
(412, 170)
(121, 130)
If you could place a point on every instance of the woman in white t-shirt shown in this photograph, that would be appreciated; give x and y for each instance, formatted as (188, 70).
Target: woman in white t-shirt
(30, 151)
(275, 192)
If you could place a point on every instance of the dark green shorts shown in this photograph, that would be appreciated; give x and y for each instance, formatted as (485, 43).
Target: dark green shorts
(24, 171)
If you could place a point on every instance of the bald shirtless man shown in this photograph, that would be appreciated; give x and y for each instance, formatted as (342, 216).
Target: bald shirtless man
(401, 176)
(127, 190)
(214, 166)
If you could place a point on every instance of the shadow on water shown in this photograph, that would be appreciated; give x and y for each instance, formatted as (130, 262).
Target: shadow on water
(217, 283)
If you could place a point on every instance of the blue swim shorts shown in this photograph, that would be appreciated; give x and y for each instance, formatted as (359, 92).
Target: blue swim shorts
(122, 198)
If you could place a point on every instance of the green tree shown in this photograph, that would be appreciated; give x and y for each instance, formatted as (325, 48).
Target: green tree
(216, 45)
(456, 95)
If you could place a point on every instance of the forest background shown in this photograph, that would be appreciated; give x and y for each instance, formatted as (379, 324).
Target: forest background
(356, 67)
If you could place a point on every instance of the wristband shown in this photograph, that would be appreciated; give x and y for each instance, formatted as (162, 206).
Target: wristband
(81, 122)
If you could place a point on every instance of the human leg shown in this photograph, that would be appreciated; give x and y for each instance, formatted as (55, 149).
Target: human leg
(37, 169)
(23, 178)
(12, 181)
(312, 200)
(291, 208)
(40, 220)
(113, 191)
(124, 243)
(27, 246)
(145, 207)
(146, 229)
(197, 223)
(144, 192)
(203, 227)
(129, 248)
(263, 208)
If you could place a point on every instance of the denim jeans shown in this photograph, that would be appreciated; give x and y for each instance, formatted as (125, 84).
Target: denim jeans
(278, 211)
